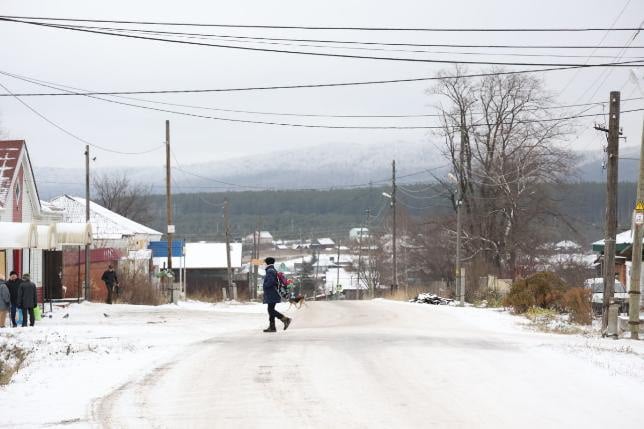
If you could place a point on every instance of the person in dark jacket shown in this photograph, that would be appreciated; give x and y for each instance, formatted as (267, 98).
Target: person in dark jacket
(13, 284)
(5, 301)
(272, 297)
(110, 280)
(27, 299)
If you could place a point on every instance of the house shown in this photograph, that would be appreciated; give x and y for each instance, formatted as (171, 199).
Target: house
(347, 282)
(116, 240)
(265, 239)
(623, 257)
(109, 229)
(29, 237)
(324, 243)
(206, 267)
(358, 234)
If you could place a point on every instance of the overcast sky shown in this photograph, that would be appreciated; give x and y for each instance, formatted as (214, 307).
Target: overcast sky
(96, 62)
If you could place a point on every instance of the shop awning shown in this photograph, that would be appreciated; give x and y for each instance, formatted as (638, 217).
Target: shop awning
(73, 234)
(46, 236)
(17, 235)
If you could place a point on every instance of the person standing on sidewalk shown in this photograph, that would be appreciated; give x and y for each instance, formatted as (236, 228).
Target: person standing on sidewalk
(5, 301)
(272, 296)
(13, 284)
(27, 300)
(110, 280)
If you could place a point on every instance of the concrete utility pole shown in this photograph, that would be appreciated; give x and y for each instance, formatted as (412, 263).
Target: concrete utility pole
(337, 281)
(460, 289)
(360, 256)
(87, 246)
(393, 207)
(634, 292)
(228, 264)
(611, 206)
(168, 194)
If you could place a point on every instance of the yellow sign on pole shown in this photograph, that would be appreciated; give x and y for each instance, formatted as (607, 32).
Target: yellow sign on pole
(256, 261)
(639, 206)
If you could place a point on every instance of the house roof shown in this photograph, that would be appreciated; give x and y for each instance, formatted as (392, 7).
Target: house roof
(325, 242)
(622, 241)
(212, 255)
(9, 156)
(106, 225)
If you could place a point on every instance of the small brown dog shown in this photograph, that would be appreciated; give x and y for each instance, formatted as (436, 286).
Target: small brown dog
(297, 301)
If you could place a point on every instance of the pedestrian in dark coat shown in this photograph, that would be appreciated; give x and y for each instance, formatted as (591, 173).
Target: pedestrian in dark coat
(111, 281)
(5, 301)
(272, 297)
(27, 299)
(13, 284)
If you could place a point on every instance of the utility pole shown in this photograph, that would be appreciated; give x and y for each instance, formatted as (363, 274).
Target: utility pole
(362, 227)
(460, 290)
(229, 269)
(168, 193)
(369, 277)
(87, 249)
(337, 280)
(611, 206)
(634, 292)
(317, 271)
(393, 207)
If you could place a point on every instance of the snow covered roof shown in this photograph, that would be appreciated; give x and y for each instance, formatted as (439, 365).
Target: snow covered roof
(212, 255)
(622, 241)
(325, 242)
(106, 225)
(9, 154)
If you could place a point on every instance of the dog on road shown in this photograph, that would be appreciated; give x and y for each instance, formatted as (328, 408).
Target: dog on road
(296, 301)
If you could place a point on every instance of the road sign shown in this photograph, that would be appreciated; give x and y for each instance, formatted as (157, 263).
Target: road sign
(171, 229)
(639, 218)
(639, 206)
(256, 261)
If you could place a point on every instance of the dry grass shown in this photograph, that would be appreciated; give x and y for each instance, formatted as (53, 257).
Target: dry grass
(11, 359)
(136, 288)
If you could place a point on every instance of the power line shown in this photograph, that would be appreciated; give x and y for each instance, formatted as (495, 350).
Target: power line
(319, 126)
(301, 86)
(413, 115)
(72, 135)
(299, 27)
(295, 42)
(320, 54)
(356, 42)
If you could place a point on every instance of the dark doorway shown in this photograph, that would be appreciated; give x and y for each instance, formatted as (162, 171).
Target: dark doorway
(53, 274)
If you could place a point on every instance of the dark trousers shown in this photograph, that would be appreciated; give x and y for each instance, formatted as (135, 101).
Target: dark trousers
(14, 309)
(32, 318)
(272, 313)
(110, 288)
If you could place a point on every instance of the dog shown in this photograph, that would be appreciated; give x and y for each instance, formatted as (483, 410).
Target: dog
(296, 301)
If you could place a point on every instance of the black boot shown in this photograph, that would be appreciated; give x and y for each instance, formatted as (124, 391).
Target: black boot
(286, 321)
(271, 327)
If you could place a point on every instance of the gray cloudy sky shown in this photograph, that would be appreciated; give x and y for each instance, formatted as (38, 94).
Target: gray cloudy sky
(98, 62)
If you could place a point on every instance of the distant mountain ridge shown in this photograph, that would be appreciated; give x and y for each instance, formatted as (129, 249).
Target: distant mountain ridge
(324, 166)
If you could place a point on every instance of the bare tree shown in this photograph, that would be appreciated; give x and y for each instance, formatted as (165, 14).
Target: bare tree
(118, 193)
(502, 144)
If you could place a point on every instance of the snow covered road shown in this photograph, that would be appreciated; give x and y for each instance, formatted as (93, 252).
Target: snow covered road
(382, 364)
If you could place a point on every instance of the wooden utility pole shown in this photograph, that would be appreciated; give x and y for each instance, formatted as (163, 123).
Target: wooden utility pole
(168, 195)
(393, 207)
(228, 264)
(460, 290)
(87, 246)
(634, 292)
(337, 280)
(611, 205)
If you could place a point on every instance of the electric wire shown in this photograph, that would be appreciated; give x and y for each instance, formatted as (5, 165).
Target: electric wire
(300, 27)
(322, 54)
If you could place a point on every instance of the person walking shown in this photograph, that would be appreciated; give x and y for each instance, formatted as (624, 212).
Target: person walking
(27, 300)
(13, 284)
(110, 280)
(5, 301)
(272, 297)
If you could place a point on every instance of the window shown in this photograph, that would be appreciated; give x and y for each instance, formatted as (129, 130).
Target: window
(17, 194)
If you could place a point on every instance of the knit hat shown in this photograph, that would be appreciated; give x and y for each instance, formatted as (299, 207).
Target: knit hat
(26, 276)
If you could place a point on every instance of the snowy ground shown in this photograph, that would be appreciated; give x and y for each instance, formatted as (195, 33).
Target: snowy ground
(204, 365)
(73, 360)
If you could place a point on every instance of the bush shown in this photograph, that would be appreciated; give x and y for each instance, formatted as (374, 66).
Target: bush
(543, 290)
(11, 359)
(136, 288)
(577, 301)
